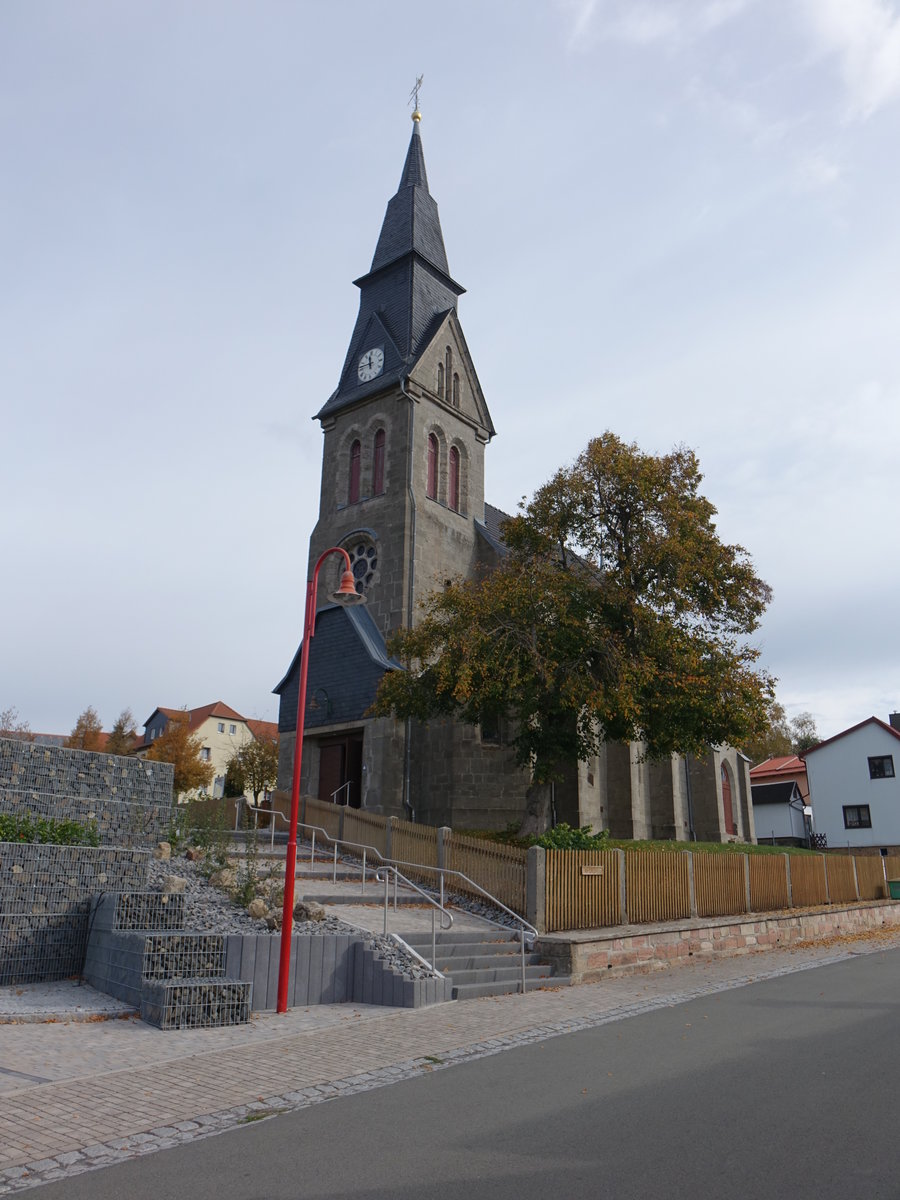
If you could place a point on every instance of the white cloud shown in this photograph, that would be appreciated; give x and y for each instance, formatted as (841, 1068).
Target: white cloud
(817, 171)
(865, 37)
(646, 22)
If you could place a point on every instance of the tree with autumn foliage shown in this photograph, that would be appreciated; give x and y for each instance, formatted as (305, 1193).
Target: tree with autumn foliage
(123, 735)
(178, 746)
(615, 614)
(87, 732)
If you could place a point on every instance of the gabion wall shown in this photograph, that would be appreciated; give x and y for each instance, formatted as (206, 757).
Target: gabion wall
(45, 890)
(44, 901)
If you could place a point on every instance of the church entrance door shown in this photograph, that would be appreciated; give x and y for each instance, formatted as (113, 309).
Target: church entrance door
(340, 764)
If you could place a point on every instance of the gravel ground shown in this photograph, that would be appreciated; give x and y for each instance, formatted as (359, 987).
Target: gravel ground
(209, 910)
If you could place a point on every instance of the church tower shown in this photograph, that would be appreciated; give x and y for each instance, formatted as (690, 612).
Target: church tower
(406, 426)
(403, 492)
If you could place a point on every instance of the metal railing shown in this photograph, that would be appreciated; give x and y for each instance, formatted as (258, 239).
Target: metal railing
(527, 932)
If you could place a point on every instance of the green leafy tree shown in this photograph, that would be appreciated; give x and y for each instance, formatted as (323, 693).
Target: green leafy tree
(12, 725)
(617, 614)
(87, 731)
(259, 765)
(234, 776)
(178, 746)
(775, 741)
(122, 737)
(803, 730)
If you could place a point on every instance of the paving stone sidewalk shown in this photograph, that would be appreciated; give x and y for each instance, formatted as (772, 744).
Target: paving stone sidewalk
(80, 1096)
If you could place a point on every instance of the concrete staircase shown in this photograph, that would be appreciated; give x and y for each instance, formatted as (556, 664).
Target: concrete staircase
(487, 964)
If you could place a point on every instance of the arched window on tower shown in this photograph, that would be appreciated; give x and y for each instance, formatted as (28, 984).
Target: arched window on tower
(448, 369)
(455, 390)
(453, 481)
(431, 481)
(355, 462)
(378, 464)
(440, 381)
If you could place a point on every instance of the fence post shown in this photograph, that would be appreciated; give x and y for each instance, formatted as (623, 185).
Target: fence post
(692, 895)
(855, 876)
(536, 888)
(825, 873)
(746, 858)
(389, 838)
(444, 834)
(623, 891)
(787, 875)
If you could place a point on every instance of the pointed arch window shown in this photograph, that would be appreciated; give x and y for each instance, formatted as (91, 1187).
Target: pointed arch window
(453, 481)
(440, 381)
(355, 464)
(448, 369)
(432, 476)
(455, 390)
(378, 464)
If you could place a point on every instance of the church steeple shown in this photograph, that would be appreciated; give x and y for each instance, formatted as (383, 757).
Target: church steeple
(407, 290)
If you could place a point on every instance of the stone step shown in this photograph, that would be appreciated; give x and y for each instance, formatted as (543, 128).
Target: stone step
(506, 974)
(451, 965)
(479, 937)
(463, 949)
(474, 991)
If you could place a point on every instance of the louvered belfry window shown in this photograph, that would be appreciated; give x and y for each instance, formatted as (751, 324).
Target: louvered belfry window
(355, 463)
(378, 464)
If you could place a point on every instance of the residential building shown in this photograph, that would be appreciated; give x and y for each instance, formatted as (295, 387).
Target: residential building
(220, 729)
(853, 785)
(788, 768)
(778, 813)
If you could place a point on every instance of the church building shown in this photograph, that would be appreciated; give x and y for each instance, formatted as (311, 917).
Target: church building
(405, 433)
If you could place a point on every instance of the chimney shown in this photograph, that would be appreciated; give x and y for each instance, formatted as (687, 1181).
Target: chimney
(894, 720)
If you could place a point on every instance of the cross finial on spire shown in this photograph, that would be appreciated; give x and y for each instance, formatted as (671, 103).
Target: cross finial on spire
(414, 98)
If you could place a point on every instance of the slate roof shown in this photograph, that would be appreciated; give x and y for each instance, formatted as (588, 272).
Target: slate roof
(406, 290)
(774, 793)
(489, 528)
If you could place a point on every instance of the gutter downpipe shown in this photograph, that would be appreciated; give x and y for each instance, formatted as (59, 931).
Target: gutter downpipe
(407, 750)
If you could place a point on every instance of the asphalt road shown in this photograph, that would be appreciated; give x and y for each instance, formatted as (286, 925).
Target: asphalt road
(783, 1088)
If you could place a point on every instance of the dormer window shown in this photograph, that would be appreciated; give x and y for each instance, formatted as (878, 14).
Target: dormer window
(378, 464)
(432, 468)
(355, 463)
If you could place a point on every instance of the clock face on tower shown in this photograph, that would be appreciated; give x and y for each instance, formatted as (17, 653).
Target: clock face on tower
(371, 364)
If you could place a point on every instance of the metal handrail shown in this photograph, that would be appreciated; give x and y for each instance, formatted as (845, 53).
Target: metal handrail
(524, 927)
(337, 791)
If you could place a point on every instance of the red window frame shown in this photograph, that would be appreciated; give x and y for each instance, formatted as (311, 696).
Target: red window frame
(453, 481)
(431, 480)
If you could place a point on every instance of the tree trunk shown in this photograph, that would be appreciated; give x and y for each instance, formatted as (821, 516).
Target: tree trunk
(537, 810)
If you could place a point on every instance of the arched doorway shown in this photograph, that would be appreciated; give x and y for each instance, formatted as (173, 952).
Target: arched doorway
(727, 804)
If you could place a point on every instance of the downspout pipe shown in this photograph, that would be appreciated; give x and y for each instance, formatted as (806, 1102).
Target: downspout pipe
(407, 749)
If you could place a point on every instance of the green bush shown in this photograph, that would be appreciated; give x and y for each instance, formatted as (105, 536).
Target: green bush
(565, 837)
(26, 828)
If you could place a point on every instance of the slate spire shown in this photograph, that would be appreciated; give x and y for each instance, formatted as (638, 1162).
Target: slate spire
(406, 289)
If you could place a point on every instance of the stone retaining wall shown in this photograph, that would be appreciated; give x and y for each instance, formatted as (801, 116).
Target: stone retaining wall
(590, 957)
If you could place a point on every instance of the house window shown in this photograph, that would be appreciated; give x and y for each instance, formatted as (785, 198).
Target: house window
(453, 489)
(881, 767)
(857, 816)
(355, 457)
(221, 727)
(378, 464)
(440, 381)
(232, 728)
(431, 481)
(492, 731)
(205, 753)
(455, 390)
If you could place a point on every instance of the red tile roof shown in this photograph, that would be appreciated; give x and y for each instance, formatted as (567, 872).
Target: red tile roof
(263, 729)
(782, 765)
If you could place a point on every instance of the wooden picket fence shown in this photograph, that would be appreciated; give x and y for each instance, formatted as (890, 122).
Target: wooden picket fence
(642, 887)
(590, 889)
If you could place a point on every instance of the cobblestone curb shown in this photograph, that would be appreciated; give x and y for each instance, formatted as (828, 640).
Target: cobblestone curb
(103, 1154)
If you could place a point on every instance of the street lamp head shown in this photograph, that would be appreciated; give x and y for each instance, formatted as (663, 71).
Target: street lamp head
(347, 593)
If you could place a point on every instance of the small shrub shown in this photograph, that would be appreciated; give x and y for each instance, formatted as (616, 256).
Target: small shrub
(47, 830)
(565, 837)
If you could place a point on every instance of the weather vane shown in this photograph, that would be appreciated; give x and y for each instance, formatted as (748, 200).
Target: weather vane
(414, 99)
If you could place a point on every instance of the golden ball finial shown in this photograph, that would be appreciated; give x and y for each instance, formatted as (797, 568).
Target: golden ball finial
(417, 116)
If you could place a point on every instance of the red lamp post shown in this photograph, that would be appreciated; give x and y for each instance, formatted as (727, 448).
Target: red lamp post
(346, 594)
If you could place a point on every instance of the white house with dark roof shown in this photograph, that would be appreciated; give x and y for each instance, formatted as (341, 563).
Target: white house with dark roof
(853, 784)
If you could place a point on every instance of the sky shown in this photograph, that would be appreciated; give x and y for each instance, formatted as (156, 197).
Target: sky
(676, 220)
